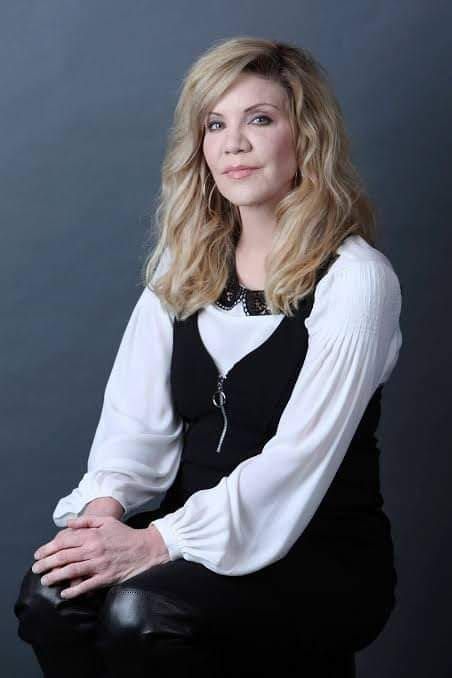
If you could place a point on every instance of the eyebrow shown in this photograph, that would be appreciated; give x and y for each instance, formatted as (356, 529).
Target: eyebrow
(250, 108)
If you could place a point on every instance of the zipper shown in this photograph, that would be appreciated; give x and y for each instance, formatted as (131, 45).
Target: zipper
(219, 399)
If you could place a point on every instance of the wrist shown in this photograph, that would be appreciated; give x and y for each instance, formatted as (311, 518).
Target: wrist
(104, 506)
(159, 547)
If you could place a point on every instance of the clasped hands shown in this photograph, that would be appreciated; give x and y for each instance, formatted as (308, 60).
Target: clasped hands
(95, 551)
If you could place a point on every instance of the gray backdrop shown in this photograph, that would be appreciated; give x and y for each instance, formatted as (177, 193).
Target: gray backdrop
(87, 94)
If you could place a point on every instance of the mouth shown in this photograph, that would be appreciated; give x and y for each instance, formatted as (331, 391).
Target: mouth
(241, 173)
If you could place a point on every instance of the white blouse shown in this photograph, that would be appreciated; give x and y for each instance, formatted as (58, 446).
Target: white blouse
(253, 516)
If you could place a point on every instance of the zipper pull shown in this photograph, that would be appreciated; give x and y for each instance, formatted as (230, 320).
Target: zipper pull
(219, 399)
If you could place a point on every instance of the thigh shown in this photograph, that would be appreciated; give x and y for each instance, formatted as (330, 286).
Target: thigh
(44, 616)
(180, 613)
(220, 601)
(183, 601)
(312, 596)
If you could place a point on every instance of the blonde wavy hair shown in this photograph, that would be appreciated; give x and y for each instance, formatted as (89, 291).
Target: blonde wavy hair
(197, 228)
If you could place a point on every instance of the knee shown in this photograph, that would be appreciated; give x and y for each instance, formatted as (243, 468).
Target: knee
(37, 608)
(133, 616)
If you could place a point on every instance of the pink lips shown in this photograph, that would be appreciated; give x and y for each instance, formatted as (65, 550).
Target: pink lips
(241, 173)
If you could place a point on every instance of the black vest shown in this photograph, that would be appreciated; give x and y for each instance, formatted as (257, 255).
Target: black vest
(219, 435)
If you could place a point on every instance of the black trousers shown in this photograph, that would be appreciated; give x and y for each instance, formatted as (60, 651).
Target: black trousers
(181, 619)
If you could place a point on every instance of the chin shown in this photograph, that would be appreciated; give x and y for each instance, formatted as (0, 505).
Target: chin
(243, 196)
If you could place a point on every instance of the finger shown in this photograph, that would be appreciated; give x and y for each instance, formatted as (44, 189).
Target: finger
(85, 586)
(67, 537)
(51, 546)
(64, 539)
(74, 583)
(86, 521)
(71, 571)
(44, 550)
(62, 557)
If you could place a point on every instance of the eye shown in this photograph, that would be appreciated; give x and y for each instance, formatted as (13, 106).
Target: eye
(218, 122)
(263, 116)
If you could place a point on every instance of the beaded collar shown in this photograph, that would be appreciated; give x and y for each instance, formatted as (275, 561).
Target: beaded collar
(253, 301)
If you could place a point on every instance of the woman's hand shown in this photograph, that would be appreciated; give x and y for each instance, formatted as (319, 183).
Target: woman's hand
(100, 506)
(95, 551)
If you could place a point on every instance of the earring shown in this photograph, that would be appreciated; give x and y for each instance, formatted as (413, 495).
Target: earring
(208, 201)
(203, 189)
(297, 177)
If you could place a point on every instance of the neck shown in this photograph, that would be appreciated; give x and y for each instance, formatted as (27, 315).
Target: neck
(258, 228)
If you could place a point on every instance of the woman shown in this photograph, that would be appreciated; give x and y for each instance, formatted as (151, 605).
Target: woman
(246, 393)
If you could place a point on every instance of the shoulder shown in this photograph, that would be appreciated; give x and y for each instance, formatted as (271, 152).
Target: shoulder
(361, 290)
(148, 301)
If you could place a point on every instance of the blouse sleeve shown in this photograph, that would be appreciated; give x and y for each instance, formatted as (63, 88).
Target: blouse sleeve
(253, 516)
(137, 445)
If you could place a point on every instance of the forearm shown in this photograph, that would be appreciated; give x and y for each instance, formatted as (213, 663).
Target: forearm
(104, 506)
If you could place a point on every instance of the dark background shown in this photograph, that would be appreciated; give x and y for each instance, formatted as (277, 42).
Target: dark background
(87, 96)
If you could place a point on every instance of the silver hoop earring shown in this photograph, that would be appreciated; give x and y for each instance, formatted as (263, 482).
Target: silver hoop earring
(297, 177)
(208, 201)
(203, 188)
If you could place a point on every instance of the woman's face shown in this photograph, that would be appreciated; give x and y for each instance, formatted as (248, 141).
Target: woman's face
(260, 137)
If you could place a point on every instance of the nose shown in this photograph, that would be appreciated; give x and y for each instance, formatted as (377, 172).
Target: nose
(236, 140)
